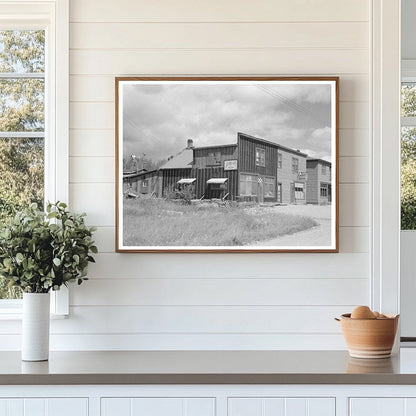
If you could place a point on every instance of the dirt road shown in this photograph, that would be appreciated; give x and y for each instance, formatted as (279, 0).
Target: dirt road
(319, 235)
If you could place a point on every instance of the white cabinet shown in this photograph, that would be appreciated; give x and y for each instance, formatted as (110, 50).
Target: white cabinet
(382, 406)
(146, 406)
(44, 407)
(270, 406)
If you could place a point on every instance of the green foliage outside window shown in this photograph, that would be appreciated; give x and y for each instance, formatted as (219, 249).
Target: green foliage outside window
(21, 110)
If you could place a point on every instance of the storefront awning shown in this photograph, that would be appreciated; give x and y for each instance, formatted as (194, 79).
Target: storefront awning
(186, 181)
(217, 180)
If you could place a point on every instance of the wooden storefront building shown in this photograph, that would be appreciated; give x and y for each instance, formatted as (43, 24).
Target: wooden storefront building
(253, 169)
(318, 187)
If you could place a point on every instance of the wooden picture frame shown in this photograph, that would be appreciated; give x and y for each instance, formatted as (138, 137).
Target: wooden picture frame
(227, 164)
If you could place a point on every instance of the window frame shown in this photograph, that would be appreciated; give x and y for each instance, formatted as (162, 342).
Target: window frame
(260, 156)
(295, 159)
(270, 180)
(53, 17)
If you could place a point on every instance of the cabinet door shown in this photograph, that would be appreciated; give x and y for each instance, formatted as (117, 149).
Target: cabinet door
(44, 407)
(377, 406)
(160, 406)
(270, 406)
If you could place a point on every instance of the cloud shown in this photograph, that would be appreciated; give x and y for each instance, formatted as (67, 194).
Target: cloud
(159, 118)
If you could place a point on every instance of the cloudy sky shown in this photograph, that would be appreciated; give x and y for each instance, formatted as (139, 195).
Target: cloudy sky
(158, 119)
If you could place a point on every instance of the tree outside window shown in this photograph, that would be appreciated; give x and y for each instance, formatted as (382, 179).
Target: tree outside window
(408, 156)
(22, 124)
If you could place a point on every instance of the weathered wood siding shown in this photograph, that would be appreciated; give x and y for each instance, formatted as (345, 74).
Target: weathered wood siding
(247, 156)
(202, 155)
(171, 177)
(203, 175)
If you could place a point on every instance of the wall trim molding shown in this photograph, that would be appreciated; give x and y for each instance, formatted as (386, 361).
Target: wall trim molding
(385, 99)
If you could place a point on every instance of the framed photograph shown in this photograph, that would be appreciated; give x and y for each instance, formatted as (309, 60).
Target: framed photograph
(227, 164)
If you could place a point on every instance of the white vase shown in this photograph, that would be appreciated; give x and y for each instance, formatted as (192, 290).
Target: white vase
(35, 326)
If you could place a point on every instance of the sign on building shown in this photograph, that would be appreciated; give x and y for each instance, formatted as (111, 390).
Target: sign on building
(230, 164)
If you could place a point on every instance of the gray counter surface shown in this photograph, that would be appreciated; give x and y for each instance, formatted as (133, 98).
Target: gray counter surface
(207, 367)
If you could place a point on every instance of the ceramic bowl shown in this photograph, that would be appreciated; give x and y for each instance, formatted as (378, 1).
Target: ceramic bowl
(369, 338)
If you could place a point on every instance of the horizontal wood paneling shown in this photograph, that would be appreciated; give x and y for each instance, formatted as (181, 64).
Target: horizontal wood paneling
(92, 169)
(354, 239)
(354, 169)
(101, 88)
(201, 319)
(220, 291)
(146, 342)
(281, 265)
(194, 320)
(354, 142)
(218, 11)
(94, 143)
(97, 200)
(354, 208)
(287, 296)
(219, 62)
(218, 36)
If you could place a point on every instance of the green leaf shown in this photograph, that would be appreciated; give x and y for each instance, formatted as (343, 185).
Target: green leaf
(56, 262)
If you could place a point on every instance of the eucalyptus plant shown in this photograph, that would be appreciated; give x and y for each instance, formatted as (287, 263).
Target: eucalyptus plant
(42, 251)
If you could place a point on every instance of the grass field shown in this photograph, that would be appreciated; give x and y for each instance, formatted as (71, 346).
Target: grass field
(156, 222)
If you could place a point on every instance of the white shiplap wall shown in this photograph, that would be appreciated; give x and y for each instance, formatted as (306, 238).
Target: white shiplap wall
(181, 301)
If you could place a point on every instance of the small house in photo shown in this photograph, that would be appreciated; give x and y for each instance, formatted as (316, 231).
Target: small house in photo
(318, 185)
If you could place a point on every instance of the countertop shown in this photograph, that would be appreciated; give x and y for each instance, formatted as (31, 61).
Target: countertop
(207, 367)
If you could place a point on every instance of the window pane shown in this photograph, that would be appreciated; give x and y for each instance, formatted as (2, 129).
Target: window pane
(408, 178)
(21, 173)
(21, 182)
(22, 51)
(22, 104)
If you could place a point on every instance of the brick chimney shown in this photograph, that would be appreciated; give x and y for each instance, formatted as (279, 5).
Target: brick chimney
(190, 144)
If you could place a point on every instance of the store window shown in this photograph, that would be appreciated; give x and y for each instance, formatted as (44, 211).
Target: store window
(269, 187)
(248, 185)
(299, 190)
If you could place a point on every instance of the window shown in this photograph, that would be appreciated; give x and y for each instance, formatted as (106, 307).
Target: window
(33, 112)
(269, 187)
(248, 185)
(408, 156)
(299, 190)
(279, 161)
(295, 165)
(145, 183)
(260, 157)
(323, 170)
(214, 159)
(324, 190)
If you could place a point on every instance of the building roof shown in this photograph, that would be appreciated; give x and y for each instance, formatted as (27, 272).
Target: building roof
(313, 159)
(183, 160)
(279, 146)
(138, 174)
(215, 146)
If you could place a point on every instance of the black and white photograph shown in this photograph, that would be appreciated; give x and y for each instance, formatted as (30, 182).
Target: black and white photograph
(227, 164)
